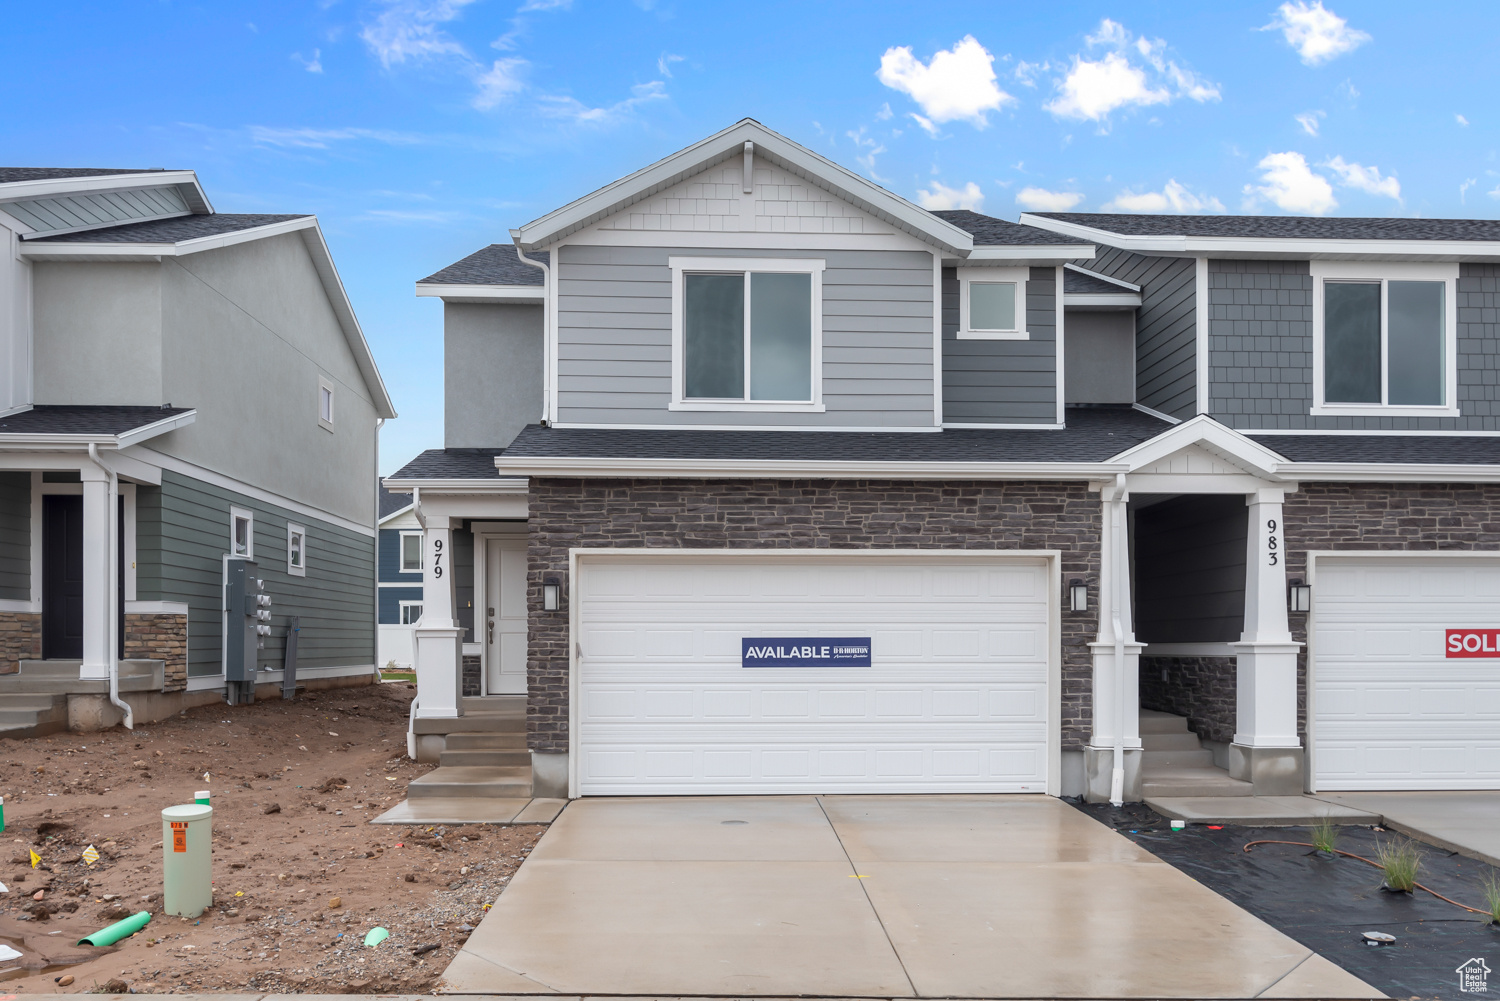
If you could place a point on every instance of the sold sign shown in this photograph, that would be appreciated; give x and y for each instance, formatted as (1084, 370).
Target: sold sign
(1474, 643)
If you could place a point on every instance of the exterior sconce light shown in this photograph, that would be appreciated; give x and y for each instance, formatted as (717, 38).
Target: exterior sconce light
(551, 593)
(1078, 596)
(1299, 597)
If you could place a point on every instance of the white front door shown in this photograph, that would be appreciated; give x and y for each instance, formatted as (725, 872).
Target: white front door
(675, 693)
(504, 617)
(1395, 706)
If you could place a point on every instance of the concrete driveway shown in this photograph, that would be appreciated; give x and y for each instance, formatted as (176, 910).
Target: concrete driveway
(869, 896)
(1466, 822)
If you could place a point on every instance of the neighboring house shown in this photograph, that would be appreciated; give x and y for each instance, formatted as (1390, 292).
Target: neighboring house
(823, 492)
(186, 396)
(400, 571)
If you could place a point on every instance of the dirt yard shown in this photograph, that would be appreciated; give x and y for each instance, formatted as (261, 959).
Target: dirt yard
(300, 876)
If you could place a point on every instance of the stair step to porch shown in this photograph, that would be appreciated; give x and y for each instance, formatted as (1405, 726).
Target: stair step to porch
(1178, 782)
(1200, 757)
(1153, 721)
(484, 758)
(494, 741)
(1169, 742)
(32, 714)
(473, 722)
(468, 782)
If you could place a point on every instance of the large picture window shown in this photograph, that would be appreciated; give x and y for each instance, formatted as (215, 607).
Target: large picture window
(746, 334)
(1384, 339)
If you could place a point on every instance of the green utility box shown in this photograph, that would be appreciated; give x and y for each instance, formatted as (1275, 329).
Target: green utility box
(187, 859)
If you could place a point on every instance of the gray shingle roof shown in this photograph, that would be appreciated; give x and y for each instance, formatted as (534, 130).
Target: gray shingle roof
(988, 231)
(1413, 449)
(496, 264)
(1093, 434)
(176, 230)
(10, 175)
(49, 419)
(451, 464)
(1283, 227)
(1082, 284)
(391, 503)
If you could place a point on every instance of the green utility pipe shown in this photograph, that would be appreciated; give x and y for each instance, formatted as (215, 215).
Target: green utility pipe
(120, 929)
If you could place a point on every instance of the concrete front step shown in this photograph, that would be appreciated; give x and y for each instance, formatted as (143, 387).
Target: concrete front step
(1199, 758)
(1258, 811)
(485, 758)
(1171, 782)
(472, 722)
(1152, 721)
(501, 741)
(60, 677)
(467, 782)
(1169, 742)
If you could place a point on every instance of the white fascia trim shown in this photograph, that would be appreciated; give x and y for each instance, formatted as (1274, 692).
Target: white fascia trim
(730, 142)
(1377, 410)
(1388, 472)
(836, 429)
(805, 469)
(1234, 447)
(483, 293)
(396, 513)
(738, 240)
(20, 409)
(156, 607)
(1044, 256)
(137, 435)
(1156, 413)
(1101, 300)
(507, 486)
(102, 184)
(75, 441)
(937, 339)
(1318, 432)
(1059, 347)
(338, 298)
(1103, 277)
(400, 583)
(1277, 247)
(161, 459)
(747, 407)
(21, 605)
(205, 682)
(1201, 345)
(1039, 426)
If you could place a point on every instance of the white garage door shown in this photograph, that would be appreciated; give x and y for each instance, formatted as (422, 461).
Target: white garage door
(1394, 707)
(955, 697)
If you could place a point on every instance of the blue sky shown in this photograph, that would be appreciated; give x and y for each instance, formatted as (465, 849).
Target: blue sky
(420, 130)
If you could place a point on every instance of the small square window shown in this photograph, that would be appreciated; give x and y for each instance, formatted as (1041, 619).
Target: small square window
(411, 612)
(992, 303)
(411, 552)
(325, 404)
(241, 533)
(296, 550)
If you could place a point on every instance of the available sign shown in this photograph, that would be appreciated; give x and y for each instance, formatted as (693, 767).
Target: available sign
(805, 651)
(1473, 643)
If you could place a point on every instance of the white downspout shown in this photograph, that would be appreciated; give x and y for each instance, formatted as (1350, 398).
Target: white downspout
(111, 586)
(546, 326)
(379, 485)
(411, 715)
(1117, 622)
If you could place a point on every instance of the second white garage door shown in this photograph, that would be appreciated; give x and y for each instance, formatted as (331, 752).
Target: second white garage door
(1393, 707)
(959, 696)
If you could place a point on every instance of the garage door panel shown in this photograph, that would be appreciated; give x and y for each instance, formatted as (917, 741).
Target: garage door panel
(1391, 709)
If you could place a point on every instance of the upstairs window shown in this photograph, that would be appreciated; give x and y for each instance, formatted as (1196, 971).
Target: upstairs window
(992, 304)
(747, 334)
(411, 612)
(325, 404)
(411, 552)
(296, 550)
(1384, 339)
(241, 533)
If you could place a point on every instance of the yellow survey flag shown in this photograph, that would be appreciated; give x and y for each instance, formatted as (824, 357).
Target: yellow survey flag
(36, 859)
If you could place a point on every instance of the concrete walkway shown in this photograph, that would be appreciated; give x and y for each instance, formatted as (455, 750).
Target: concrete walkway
(1463, 822)
(869, 896)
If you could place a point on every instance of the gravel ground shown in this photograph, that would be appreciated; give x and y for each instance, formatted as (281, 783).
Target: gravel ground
(300, 877)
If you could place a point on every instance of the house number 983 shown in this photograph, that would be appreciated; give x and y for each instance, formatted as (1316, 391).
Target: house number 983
(1272, 558)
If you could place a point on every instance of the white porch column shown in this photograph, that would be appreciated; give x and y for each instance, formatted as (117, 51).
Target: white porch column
(1266, 750)
(98, 589)
(438, 638)
(1116, 687)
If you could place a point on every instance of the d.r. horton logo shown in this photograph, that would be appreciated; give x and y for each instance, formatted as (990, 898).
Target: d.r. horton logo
(1473, 977)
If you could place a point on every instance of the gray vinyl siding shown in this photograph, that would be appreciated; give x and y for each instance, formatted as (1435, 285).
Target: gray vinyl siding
(1261, 350)
(390, 603)
(182, 534)
(1189, 562)
(1166, 365)
(390, 559)
(1002, 382)
(15, 536)
(615, 338)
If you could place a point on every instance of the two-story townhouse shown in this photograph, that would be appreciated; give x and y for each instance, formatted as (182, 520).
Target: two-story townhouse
(188, 450)
(823, 492)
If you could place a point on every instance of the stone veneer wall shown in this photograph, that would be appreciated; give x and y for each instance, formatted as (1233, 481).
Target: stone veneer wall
(20, 639)
(163, 637)
(1200, 688)
(802, 514)
(470, 677)
(1433, 517)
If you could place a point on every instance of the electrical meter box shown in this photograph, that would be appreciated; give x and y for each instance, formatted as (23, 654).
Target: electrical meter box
(247, 624)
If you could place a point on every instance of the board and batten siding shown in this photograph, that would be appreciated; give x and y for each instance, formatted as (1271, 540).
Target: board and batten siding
(614, 361)
(15, 536)
(182, 534)
(1166, 351)
(1002, 382)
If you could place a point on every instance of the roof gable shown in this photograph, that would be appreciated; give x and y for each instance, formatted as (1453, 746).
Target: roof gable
(1201, 446)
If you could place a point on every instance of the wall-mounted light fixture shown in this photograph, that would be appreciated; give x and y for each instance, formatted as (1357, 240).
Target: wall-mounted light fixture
(1299, 596)
(1078, 596)
(551, 593)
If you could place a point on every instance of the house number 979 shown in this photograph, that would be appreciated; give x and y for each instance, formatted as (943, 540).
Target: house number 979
(1272, 557)
(437, 557)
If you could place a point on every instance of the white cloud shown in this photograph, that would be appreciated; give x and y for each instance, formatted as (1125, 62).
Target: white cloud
(1367, 179)
(1026, 73)
(1042, 200)
(1463, 189)
(1318, 34)
(408, 29)
(927, 124)
(313, 65)
(1460, 119)
(498, 82)
(531, 5)
(577, 111)
(940, 196)
(885, 113)
(323, 138)
(1136, 73)
(868, 148)
(1172, 198)
(1494, 193)
(1289, 184)
(664, 63)
(958, 84)
(1309, 120)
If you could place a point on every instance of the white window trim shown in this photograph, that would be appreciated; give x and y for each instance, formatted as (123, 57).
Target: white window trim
(327, 384)
(291, 530)
(1385, 271)
(402, 606)
(236, 513)
(773, 265)
(401, 552)
(967, 276)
